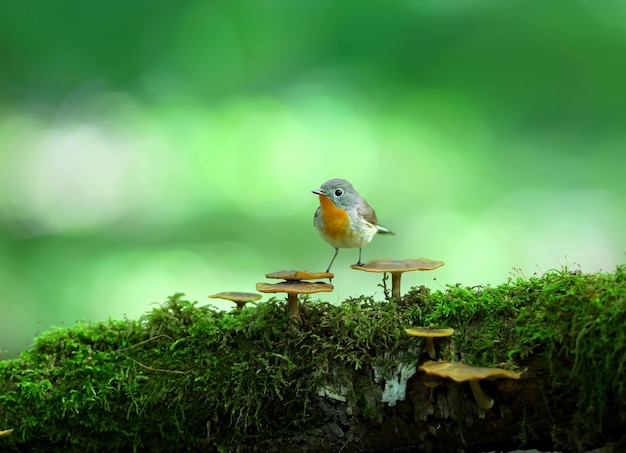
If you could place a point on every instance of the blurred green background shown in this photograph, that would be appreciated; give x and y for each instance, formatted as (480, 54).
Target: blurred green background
(147, 148)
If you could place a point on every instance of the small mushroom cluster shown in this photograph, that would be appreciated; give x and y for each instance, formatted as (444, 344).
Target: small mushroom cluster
(458, 372)
(297, 282)
(293, 284)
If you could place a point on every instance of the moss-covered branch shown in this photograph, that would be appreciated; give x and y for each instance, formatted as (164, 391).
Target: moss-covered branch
(185, 377)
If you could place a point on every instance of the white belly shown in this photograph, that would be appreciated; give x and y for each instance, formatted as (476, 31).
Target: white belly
(354, 238)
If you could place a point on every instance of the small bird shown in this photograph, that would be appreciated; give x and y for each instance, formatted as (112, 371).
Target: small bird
(344, 219)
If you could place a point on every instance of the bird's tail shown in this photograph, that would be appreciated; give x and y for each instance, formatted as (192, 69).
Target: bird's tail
(383, 230)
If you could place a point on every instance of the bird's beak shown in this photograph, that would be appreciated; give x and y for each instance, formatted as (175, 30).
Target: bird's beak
(319, 192)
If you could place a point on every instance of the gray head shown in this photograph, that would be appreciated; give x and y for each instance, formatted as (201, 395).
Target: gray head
(340, 192)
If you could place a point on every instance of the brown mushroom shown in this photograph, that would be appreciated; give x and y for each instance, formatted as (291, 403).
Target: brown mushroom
(459, 372)
(430, 335)
(6, 432)
(239, 298)
(431, 386)
(397, 267)
(299, 275)
(293, 288)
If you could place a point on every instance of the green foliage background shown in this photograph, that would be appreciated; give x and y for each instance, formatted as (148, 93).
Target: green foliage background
(148, 148)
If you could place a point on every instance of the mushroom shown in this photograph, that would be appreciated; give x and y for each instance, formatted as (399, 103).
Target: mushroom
(430, 335)
(397, 267)
(460, 372)
(6, 432)
(239, 298)
(299, 275)
(293, 288)
(431, 386)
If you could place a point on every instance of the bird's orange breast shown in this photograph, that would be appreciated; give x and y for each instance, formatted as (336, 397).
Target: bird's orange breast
(335, 219)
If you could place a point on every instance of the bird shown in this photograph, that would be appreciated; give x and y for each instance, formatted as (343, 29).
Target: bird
(344, 219)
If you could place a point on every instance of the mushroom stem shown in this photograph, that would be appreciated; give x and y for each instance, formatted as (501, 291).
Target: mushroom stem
(294, 309)
(431, 386)
(430, 346)
(483, 401)
(395, 284)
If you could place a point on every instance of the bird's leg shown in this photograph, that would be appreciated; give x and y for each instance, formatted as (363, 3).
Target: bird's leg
(359, 263)
(331, 261)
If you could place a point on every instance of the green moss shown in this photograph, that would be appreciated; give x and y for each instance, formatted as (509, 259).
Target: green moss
(184, 376)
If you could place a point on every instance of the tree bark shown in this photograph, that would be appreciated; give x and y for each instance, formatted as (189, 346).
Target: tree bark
(441, 416)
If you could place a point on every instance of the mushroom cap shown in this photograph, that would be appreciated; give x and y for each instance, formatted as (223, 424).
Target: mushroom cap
(426, 332)
(407, 265)
(461, 372)
(299, 275)
(5, 432)
(237, 296)
(295, 287)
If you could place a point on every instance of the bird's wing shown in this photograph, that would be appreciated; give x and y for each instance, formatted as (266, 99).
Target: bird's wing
(366, 211)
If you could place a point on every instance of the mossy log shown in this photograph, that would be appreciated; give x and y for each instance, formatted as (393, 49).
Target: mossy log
(192, 378)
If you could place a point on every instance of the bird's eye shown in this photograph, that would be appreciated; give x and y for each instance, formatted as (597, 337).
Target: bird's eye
(338, 192)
